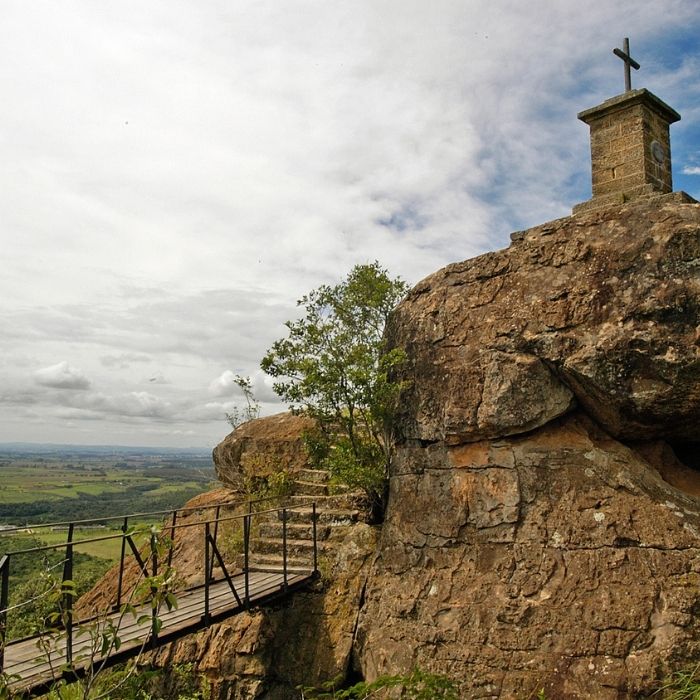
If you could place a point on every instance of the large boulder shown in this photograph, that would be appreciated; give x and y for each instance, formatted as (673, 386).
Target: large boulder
(261, 447)
(543, 528)
(599, 310)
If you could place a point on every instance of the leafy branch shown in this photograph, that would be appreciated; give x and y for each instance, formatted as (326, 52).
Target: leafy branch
(334, 365)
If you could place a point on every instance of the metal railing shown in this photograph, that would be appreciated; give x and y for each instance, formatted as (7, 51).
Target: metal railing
(148, 553)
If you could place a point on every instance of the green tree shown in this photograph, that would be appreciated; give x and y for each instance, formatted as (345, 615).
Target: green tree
(334, 365)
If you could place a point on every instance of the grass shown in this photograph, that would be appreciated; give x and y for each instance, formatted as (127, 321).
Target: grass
(22, 483)
(173, 488)
(682, 685)
(105, 549)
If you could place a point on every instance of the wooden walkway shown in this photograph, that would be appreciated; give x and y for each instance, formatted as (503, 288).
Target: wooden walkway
(36, 671)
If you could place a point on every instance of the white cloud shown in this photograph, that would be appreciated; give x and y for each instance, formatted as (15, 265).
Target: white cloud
(123, 360)
(62, 376)
(261, 384)
(179, 173)
(263, 391)
(134, 404)
(691, 170)
(224, 384)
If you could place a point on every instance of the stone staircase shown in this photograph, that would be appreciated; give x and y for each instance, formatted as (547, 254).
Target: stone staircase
(332, 512)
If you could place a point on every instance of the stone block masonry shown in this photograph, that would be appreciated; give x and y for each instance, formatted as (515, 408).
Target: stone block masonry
(630, 148)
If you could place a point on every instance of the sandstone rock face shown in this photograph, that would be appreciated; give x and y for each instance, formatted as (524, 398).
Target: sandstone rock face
(531, 541)
(261, 447)
(600, 309)
(560, 560)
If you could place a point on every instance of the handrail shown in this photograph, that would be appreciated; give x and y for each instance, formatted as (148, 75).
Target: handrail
(117, 535)
(66, 523)
(4, 602)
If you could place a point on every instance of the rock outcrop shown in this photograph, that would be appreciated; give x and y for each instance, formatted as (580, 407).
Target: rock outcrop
(599, 309)
(261, 447)
(543, 530)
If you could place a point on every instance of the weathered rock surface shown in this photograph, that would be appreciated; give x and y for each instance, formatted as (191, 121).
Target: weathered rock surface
(531, 541)
(558, 560)
(599, 309)
(261, 447)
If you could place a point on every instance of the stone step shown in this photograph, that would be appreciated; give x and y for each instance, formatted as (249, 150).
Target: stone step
(261, 561)
(320, 476)
(334, 502)
(295, 530)
(310, 488)
(274, 563)
(326, 516)
(295, 548)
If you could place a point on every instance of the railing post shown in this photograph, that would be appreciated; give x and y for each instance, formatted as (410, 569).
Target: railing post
(284, 546)
(67, 597)
(154, 591)
(216, 533)
(206, 573)
(246, 562)
(314, 517)
(154, 554)
(4, 598)
(125, 527)
(172, 539)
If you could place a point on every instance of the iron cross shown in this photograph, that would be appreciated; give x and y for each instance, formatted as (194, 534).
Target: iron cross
(624, 54)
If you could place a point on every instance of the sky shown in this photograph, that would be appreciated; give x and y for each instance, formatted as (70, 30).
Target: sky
(176, 174)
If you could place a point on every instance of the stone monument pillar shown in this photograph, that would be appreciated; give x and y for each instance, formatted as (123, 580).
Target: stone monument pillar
(630, 148)
(630, 144)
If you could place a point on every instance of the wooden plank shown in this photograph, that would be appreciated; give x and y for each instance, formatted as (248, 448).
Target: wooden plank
(191, 604)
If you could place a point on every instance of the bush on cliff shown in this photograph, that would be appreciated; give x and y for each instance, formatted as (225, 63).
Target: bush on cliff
(334, 365)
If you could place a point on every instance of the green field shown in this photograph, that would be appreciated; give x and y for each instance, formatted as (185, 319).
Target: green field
(61, 486)
(28, 483)
(104, 549)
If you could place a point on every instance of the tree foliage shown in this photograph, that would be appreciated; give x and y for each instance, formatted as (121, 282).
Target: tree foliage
(335, 366)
